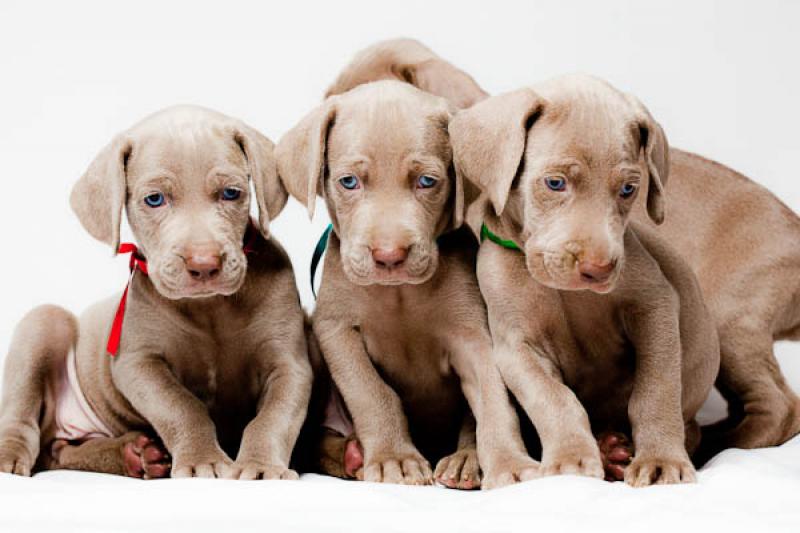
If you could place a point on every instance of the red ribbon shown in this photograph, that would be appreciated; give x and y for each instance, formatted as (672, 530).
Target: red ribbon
(138, 262)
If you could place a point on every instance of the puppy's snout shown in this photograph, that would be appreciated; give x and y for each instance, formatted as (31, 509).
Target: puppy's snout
(203, 262)
(389, 257)
(595, 272)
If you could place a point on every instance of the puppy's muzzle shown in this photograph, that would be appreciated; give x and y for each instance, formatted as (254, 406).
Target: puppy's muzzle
(203, 263)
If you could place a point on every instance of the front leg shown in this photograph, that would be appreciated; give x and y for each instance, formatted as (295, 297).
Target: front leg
(269, 438)
(377, 412)
(654, 408)
(502, 455)
(460, 469)
(568, 446)
(178, 416)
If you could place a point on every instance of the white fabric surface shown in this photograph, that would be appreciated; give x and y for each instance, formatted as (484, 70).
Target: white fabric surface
(755, 490)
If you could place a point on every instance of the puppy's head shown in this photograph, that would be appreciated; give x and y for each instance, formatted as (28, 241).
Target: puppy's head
(566, 162)
(380, 156)
(183, 175)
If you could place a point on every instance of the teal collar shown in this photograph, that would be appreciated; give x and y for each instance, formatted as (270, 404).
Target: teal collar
(318, 251)
(486, 234)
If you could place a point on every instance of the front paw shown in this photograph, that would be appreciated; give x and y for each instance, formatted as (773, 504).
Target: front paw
(646, 470)
(405, 468)
(459, 470)
(254, 469)
(510, 470)
(577, 459)
(212, 463)
(16, 457)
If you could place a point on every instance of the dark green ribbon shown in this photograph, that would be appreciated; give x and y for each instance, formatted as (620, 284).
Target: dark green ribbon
(318, 251)
(486, 234)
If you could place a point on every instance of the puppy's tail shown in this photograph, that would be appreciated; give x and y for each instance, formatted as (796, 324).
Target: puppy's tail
(412, 62)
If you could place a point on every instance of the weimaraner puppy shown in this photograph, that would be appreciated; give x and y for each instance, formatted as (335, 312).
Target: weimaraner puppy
(400, 320)
(209, 352)
(587, 312)
(739, 239)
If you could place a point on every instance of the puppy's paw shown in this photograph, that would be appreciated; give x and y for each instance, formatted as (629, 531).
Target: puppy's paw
(207, 464)
(616, 451)
(145, 457)
(654, 470)
(252, 469)
(579, 460)
(459, 470)
(16, 457)
(403, 468)
(509, 471)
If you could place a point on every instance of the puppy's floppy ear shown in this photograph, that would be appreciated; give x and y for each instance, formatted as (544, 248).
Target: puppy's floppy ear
(489, 141)
(301, 154)
(99, 195)
(270, 193)
(653, 142)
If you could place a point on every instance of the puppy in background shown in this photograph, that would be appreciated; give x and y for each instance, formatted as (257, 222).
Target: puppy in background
(589, 315)
(207, 346)
(400, 320)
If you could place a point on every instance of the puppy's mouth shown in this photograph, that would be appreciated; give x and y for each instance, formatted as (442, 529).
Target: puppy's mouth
(172, 281)
(560, 271)
(361, 269)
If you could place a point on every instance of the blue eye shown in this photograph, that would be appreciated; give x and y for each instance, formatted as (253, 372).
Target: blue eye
(230, 194)
(426, 182)
(349, 182)
(627, 190)
(154, 200)
(555, 183)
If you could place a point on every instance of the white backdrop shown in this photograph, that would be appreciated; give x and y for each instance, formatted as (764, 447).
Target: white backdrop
(721, 77)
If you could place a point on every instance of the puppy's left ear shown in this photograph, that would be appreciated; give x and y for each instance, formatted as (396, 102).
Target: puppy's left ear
(653, 143)
(270, 193)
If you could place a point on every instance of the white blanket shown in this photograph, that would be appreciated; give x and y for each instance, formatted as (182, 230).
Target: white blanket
(754, 491)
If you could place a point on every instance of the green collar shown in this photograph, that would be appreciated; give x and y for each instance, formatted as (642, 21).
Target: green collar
(486, 234)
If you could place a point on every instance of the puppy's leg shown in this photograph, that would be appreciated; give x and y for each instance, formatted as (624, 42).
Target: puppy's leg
(269, 438)
(179, 417)
(41, 341)
(655, 406)
(751, 377)
(568, 446)
(381, 425)
(133, 454)
(502, 455)
(460, 469)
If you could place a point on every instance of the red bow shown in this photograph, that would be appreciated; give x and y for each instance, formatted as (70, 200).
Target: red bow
(138, 262)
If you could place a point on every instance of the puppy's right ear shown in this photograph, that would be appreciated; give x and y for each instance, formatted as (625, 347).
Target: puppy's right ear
(489, 139)
(301, 154)
(99, 196)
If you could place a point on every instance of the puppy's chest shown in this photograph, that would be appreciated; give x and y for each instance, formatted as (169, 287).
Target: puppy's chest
(603, 349)
(405, 345)
(218, 365)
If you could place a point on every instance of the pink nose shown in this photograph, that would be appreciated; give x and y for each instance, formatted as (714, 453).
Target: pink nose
(389, 257)
(596, 272)
(203, 262)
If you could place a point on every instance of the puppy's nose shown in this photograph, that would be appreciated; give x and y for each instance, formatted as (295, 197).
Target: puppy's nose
(596, 272)
(389, 257)
(203, 262)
